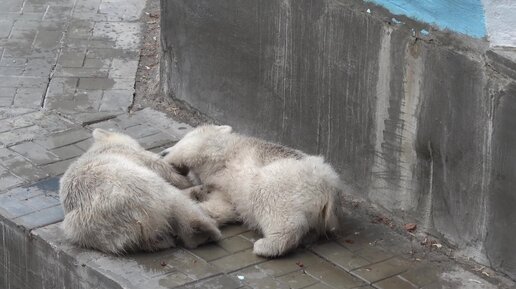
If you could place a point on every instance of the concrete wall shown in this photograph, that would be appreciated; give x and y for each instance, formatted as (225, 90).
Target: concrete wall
(420, 125)
(27, 261)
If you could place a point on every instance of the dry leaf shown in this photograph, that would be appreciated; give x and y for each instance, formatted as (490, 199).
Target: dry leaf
(411, 227)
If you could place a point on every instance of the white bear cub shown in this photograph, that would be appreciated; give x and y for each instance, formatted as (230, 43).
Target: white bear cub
(118, 197)
(280, 191)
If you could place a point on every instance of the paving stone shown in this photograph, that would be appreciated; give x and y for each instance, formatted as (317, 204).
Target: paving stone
(153, 264)
(218, 282)
(110, 53)
(19, 166)
(38, 67)
(139, 131)
(84, 72)
(101, 43)
(190, 265)
(29, 97)
(48, 187)
(257, 279)
(5, 28)
(23, 81)
(126, 121)
(235, 244)
(41, 218)
(53, 123)
(422, 275)
(332, 275)
(85, 144)
(121, 68)
(87, 118)
(124, 83)
(34, 8)
(97, 63)
(339, 255)
(237, 261)
(58, 13)
(57, 168)
(80, 29)
(252, 236)
(13, 61)
(156, 140)
(64, 138)
(24, 120)
(394, 283)
(62, 86)
(295, 261)
(32, 15)
(12, 5)
(87, 99)
(22, 201)
(174, 280)
(34, 152)
(232, 230)
(117, 12)
(48, 39)
(382, 270)
(18, 47)
(14, 112)
(26, 24)
(13, 208)
(67, 152)
(159, 149)
(298, 279)
(8, 180)
(83, 101)
(318, 286)
(438, 285)
(210, 252)
(7, 91)
(116, 100)
(95, 83)
(373, 254)
(6, 101)
(76, 43)
(20, 135)
(11, 70)
(72, 59)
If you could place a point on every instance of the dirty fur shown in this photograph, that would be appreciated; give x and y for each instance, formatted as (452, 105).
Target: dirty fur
(118, 197)
(280, 191)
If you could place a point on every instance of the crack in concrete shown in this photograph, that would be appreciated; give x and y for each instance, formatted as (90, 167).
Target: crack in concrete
(58, 55)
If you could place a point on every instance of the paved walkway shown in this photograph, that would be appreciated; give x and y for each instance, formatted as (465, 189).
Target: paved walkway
(68, 66)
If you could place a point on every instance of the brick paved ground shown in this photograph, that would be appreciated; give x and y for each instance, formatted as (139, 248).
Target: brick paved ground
(68, 66)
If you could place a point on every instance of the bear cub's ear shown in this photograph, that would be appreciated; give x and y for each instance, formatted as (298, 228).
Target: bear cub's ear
(100, 134)
(225, 128)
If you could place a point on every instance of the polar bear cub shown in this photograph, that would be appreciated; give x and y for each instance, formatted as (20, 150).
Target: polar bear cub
(280, 191)
(118, 197)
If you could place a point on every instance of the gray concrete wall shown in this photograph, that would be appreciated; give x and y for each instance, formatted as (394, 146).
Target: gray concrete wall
(27, 261)
(421, 126)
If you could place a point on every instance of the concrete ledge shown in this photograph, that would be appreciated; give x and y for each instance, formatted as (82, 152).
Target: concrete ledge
(34, 253)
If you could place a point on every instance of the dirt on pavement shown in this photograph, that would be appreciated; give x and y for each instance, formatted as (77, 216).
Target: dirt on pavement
(148, 92)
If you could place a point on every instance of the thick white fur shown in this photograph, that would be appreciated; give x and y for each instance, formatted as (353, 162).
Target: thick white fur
(118, 197)
(280, 191)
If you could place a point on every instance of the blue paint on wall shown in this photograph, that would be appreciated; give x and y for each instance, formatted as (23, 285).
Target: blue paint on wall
(463, 16)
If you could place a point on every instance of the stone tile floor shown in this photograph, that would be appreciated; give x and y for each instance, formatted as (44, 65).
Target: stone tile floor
(68, 66)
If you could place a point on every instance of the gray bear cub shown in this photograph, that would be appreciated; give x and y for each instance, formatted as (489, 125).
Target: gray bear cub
(118, 197)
